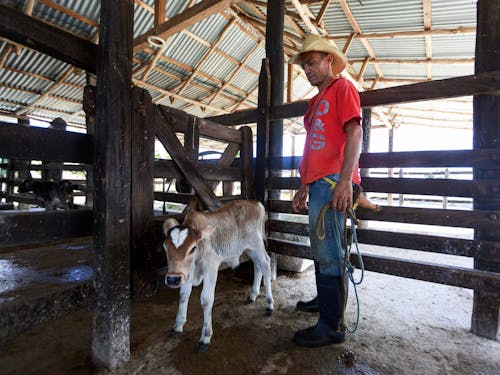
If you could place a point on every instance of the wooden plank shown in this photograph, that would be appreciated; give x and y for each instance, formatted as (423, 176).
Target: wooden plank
(208, 169)
(189, 168)
(246, 160)
(263, 133)
(486, 250)
(433, 186)
(48, 39)
(112, 180)
(244, 116)
(429, 186)
(33, 143)
(410, 215)
(447, 275)
(42, 226)
(209, 129)
(486, 108)
(482, 83)
(142, 190)
(182, 21)
(488, 157)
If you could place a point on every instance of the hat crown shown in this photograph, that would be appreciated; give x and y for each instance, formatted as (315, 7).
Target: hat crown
(317, 43)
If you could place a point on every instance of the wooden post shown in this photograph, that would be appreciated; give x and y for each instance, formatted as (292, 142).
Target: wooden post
(275, 54)
(89, 94)
(111, 308)
(262, 158)
(246, 156)
(366, 125)
(142, 196)
(390, 170)
(485, 311)
(53, 171)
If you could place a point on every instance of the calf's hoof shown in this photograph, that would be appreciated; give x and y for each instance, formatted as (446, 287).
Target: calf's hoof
(174, 333)
(249, 301)
(202, 348)
(269, 312)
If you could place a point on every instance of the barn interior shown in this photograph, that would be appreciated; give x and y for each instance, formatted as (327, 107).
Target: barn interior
(153, 107)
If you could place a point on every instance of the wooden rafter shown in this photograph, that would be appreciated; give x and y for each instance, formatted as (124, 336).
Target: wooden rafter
(182, 21)
(413, 61)
(354, 24)
(409, 34)
(322, 11)
(427, 8)
(160, 12)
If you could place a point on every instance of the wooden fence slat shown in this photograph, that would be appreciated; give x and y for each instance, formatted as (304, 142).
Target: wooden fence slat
(482, 83)
(33, 227)
(419, 186)
(33, 143)
(208, 168)
(486, 250)
(411, 159)
(433, 186)
(411, 215)
(209, 129)
(166, 135)
(448, 275)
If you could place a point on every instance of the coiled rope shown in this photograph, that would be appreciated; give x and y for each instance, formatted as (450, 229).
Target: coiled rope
(348, 268)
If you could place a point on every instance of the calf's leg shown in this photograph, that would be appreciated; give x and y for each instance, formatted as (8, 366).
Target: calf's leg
(207, 303)
(262, 261)
(257, 280)
(180, 320)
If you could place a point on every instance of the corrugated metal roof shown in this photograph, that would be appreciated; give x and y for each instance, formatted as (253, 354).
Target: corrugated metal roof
(27, 75)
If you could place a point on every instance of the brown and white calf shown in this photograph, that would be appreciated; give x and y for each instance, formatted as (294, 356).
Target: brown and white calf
(197, 247)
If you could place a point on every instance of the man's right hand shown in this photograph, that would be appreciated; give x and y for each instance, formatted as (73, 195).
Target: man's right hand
(300, 199)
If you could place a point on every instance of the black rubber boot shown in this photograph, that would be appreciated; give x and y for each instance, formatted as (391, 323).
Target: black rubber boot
(327, 330)
(311, 306)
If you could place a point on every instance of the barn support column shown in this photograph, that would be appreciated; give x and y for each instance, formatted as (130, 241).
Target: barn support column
(142, 196)
(485, 313)
(111, 308)
(366, 124)
(275, 23)
(52, 171)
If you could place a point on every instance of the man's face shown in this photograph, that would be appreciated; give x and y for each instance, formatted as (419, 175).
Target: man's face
(317, 66)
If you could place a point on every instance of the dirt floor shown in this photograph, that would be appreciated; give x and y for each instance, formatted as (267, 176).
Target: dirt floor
(406, 327)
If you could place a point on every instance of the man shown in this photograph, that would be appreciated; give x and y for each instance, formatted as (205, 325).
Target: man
(328, 167)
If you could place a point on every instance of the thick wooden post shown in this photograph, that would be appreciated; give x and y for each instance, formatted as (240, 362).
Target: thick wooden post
(53, 171)
(111, 310)
(142, 196)
(367, 128)
(262, 158)
(89, 94)
(275, 53)
(485, 313)
(246, 156)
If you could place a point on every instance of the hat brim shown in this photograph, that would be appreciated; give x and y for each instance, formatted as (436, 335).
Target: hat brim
(339, 60)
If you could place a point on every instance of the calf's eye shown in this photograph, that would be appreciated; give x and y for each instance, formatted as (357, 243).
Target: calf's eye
(192, 250)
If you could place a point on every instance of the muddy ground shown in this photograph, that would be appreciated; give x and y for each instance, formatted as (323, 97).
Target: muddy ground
(406, 327)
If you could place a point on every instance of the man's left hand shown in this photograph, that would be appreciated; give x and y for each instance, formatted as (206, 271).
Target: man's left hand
(342, 196)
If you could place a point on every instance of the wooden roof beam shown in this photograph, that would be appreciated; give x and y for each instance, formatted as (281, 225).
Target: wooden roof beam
(413, 61)
(182, 21)
(427, 10)
(409, 34)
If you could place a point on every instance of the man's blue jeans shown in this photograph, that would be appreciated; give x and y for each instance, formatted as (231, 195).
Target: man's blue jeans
(328, 253)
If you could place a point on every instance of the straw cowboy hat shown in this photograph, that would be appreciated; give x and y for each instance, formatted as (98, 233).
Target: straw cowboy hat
(316, 43)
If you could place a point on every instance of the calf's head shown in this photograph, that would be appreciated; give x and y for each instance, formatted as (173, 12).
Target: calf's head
(181, 245)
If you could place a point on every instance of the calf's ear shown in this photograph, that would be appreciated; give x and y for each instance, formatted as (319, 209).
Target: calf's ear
(207, 231)
(169, 224)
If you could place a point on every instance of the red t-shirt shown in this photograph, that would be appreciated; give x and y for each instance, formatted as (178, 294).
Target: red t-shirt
(324, 147)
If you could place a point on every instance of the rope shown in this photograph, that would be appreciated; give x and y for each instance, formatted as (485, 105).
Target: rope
(320, 233)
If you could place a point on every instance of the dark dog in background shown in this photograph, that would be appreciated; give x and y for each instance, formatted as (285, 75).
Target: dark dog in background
(51, 194)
